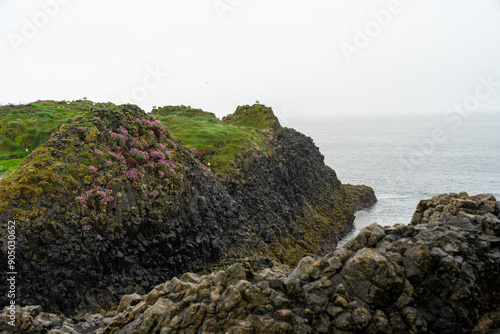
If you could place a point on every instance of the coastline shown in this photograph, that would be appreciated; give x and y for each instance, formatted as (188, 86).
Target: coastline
(432, 275)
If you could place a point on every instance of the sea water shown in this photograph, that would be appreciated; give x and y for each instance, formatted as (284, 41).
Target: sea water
(408, 158)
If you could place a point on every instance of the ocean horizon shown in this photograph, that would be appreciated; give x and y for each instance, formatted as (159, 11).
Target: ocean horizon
(406, 159)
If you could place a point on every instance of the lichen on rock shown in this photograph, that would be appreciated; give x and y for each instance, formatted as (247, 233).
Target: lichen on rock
(431, 276)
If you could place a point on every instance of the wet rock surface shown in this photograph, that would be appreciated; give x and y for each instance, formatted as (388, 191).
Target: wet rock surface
(105, 221)
(430, 276)
(360, 196)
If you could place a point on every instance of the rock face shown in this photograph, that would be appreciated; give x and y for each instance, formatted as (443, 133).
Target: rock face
(112, 204)
(360, 197)
(439, 274)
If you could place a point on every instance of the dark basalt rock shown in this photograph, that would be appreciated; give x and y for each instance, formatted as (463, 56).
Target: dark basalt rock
(135, 233)
(360, 197)
(427, 277)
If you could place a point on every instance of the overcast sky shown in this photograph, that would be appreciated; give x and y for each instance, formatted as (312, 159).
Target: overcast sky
(302, 57)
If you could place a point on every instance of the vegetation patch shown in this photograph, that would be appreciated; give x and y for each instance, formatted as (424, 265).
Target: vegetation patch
(25, 127)
(256, 116)
(83, 160)
(223, 144)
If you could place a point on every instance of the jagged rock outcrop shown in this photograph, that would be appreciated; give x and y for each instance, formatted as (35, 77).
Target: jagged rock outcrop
(438, 274)
(112, 204)
(360, 196)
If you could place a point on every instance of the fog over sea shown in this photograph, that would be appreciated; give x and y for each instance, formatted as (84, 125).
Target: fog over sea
(406, 159)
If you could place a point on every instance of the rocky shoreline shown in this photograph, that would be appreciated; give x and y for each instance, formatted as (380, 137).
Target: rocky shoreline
(113, 204)
(438, 274)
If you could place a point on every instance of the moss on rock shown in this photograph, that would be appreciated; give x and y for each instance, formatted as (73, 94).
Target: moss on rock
(256, 116)
(114, 203)
(359, 196)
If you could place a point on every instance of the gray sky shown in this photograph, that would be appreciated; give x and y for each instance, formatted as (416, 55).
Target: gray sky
(316, 57)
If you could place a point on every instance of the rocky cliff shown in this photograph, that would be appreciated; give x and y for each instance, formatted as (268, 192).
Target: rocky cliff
(114, 204)
(439, 274)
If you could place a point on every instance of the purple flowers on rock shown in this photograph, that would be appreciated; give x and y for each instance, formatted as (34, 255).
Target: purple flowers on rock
(133, 174)
(157, 155)
(139, 154)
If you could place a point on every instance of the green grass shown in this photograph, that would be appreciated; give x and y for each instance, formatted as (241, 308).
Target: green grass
(24, 127)
(9, 164)
(219, 143)
(256, 116)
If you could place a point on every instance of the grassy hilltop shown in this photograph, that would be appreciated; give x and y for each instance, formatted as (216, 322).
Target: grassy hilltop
(220, 146)
(220, 142)
(24, 127)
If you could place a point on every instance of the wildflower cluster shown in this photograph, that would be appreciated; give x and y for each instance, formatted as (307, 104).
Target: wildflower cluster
(118, 156)
(140, 153)
(140, 144)
(103, 195)
(133, 174)
(158, 155)
(92, 169)
(119, 137)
